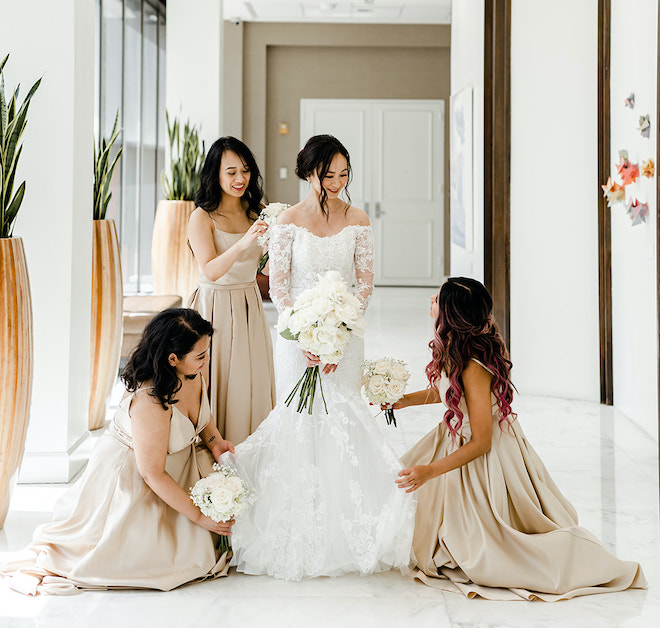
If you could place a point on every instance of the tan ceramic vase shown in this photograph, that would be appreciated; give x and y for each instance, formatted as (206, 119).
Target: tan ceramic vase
(173, 266)
(106, 328)
(16, 361)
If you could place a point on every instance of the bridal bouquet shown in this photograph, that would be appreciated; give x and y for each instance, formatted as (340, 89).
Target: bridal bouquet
(268, 214)
(221, 496)
(322, 320)
(385, 382)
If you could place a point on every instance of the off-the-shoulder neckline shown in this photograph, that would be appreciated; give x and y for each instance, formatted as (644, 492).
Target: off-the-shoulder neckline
(291, 224)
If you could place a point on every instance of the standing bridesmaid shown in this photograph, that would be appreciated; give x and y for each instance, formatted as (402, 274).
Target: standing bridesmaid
(222, 232)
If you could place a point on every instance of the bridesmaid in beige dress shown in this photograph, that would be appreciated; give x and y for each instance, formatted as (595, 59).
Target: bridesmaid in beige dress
(222, 232)
(490, 521)
(128, 521)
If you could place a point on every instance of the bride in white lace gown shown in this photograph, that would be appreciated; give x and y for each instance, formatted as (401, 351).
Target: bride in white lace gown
(327, 503)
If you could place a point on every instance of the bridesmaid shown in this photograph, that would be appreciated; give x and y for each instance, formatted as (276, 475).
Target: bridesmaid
(128, 521)
(222, 231)
(490, 521)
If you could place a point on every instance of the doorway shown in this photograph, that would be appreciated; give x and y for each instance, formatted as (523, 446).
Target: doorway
(397, 156)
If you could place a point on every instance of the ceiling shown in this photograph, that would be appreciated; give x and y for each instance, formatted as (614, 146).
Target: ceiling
(356, 12)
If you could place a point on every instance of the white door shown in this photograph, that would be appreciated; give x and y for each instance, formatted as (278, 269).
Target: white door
(396, 149)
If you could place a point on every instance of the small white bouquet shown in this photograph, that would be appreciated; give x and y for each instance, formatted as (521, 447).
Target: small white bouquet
(221, 496)
(385, 382)
(269, 214)
(322, 320)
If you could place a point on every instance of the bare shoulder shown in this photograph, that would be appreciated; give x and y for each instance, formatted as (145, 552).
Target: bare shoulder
(289, 215)
(145, 407)
(200, 219)
(475, 373)
(357, 217)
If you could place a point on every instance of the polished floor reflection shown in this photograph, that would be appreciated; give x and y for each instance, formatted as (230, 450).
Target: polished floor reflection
(602, 461)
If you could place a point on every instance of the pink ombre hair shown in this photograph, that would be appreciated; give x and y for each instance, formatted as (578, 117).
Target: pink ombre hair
(465, 329)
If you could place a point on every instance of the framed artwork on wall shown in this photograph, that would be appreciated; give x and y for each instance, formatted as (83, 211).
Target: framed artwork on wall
(461, 168)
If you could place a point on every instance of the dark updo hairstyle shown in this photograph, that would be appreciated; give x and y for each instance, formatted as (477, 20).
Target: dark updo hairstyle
(209, 195)
(175, 330)
(316, 156)
(465, 329)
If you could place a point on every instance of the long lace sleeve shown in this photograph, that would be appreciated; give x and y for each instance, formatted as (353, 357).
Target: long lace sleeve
(279, 256)
(364, 265)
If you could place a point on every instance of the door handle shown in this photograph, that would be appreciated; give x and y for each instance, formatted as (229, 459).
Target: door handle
(366, 208)
(379, 211)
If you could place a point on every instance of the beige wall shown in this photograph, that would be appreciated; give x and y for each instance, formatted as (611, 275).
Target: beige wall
(282, 63)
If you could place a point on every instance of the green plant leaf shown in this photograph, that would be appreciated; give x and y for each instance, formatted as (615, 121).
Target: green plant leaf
(103, 170)
(12, 210)
(13, 121)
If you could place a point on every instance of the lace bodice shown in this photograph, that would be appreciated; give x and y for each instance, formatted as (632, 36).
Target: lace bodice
(297, 257)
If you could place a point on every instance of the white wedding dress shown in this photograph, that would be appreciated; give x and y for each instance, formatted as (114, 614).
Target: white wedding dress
(327, 502)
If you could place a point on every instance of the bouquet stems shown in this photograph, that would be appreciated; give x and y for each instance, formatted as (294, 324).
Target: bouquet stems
(307, 385)
(389, 416)
(262, 262)
(224, 545)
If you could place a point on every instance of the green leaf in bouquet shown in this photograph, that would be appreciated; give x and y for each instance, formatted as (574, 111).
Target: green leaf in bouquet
(286, 333)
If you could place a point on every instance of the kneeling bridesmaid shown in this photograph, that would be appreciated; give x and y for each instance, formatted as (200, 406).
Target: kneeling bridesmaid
(490, 521)
(128, 521)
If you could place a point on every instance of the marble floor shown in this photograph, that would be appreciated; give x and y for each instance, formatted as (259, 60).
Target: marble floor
(601, 460)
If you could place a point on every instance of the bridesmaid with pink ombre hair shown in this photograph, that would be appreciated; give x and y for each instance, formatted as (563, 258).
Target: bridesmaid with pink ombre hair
(490, 521)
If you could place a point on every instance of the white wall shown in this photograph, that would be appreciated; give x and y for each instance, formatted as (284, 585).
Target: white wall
(467, 71)
(55, 220)
(634, 281)
(194, 73)
(554, 195)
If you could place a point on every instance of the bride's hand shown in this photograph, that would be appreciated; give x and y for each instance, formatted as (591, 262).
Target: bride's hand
(413, 477)
(314, 360)
(222, 527)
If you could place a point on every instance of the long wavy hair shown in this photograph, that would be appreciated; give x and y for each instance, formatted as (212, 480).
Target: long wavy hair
(175, 330)
(209, 195)
(316, 157)
(465, 329)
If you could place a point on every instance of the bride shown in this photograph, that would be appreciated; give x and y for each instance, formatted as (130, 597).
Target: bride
(326, 502)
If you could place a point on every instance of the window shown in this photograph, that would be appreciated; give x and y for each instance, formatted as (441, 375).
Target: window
(130, 77)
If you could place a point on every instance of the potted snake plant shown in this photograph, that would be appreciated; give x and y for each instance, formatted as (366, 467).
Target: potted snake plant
(173, 266)
(107, 288)
(16, 336)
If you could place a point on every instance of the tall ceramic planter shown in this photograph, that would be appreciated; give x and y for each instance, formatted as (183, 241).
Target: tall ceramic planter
(107, 294)
(15, 364)
(173, 265)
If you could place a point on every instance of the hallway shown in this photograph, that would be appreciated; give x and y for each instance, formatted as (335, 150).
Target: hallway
(604, 463)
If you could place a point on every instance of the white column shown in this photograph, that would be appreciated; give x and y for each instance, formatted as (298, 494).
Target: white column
(194, 72)
(554, 198)
(55, 40)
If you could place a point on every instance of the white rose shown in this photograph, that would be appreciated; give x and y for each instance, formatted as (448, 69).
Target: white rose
(399, 371)
(221, 497)
(308, 341)
(331, 320)
(382, 367)
(234, 484)
(376, 386)
(283, 320)
(333, 357)
(395, 391)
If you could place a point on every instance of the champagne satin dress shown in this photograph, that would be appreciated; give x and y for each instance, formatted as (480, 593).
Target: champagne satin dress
(241, 374)
(499, 528)
(110, 530)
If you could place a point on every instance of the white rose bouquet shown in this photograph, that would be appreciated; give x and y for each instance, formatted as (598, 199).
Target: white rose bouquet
(322, 320)
(268, 214)
(221, 496)
(385, 382)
